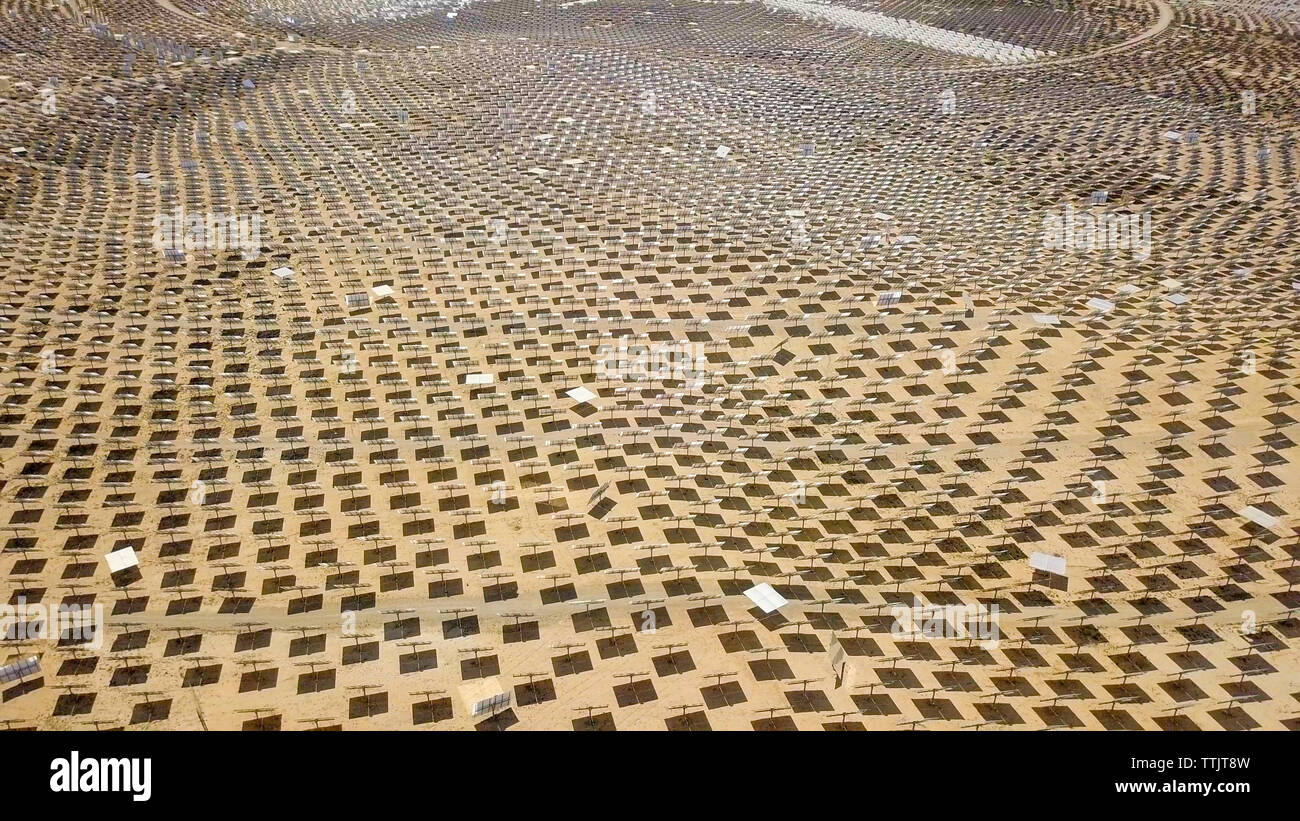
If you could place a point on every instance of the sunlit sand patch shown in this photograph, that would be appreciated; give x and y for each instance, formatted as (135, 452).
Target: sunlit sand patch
(911, 31)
